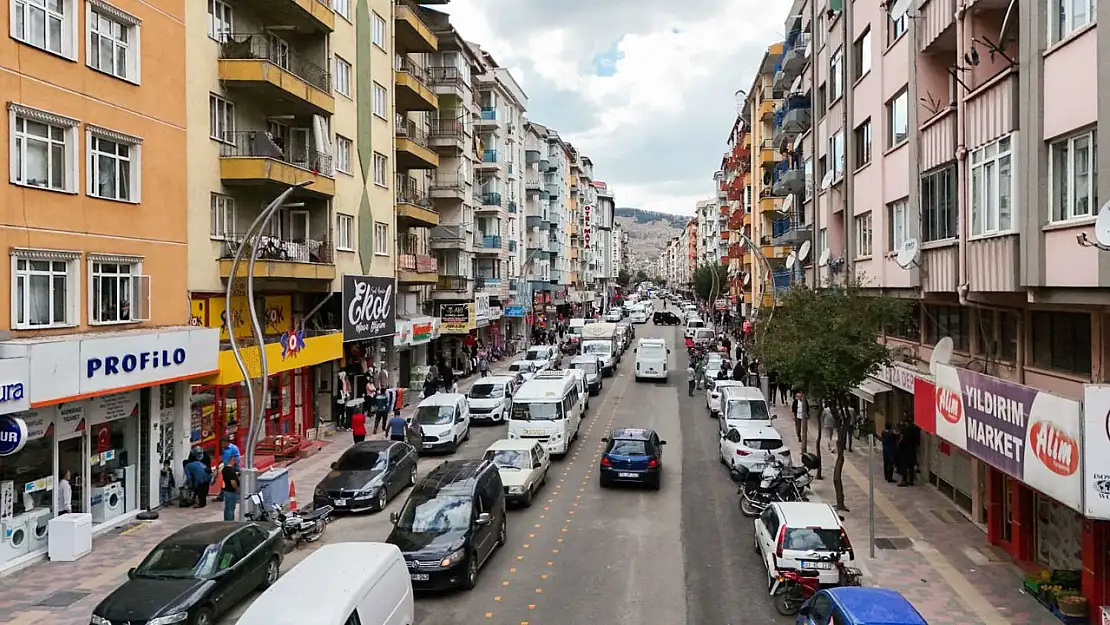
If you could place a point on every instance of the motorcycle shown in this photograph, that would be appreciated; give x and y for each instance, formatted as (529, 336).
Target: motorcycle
(295, 527)
(777, 482)
(793, 587)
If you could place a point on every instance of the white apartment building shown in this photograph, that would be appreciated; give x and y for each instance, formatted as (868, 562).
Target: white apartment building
(620, 250)
(710, 226)
(539, 253)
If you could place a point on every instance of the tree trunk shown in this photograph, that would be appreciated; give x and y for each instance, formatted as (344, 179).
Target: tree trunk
(817, 448)
(842, 418)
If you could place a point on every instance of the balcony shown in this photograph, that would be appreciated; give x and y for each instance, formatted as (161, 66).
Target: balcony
(531, 157)
(414, 209)
(781, 279)
(790, 230)
(936, 25)
(283, 80)
(991, 109)
(512, 207)
(447, 136)
(453, 284)
(487, 244)
(768, 155)
(417, 269)
(938, 139)
(447, 187)
(490, 160)
(413, 148)
(533, 187)
(283, 258)
(792, 118)
(788, 180)
(795, 53)
(452, 237)
(573, 253)
(780, 80)
(737, 251)
(447, 81)
(251, 157)
(766, 107)
(491, 199)
(543, 164)
(488, 118)
(572, 230)
(411, 87)
(304, 15)
(411, 34)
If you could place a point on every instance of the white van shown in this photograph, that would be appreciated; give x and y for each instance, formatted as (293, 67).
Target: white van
(339, 584)
(444, 420)
(651, 359)
(549, 407)
(743, 407)
(693, 324)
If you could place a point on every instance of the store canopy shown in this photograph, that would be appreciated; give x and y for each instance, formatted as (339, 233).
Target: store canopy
(869, 389)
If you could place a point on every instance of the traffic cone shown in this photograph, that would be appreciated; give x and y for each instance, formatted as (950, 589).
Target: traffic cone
(218, 484)
(292, 496)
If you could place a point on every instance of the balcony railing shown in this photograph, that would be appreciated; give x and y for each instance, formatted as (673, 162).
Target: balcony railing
(532, 185)
(408, 129)
(447, 129)
(448, 181)
(407, 66)
(249, 46)
(792, 102)
(489, 242)
(412, 196)
(444, 75)
(513, 208)
(780, 227)
(781, 279)
(453, 283)
(260, 144)
(512, 246)
(451, 232)
(489, 114)
(420, 263)
(489, 156)
(282, 249)
(491, 199)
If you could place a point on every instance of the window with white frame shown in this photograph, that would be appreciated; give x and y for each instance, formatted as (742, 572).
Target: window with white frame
(49, 25)
(898, 118)
(863, 235)
(861, 50)
(344, 232)
(342, 77)
(1073, 163)
(992, 187)
(896, 28)
(342, 8)
(862, 145)
(897, 217)
(1068, 16)
(378, 33)
(221, 118)
(836, 75)
(219, 20)
(221, 216)
(822, 241)
(116, 287)
(114, 165)
(112, 44)
(381, 101)
(836, 153)
(343, 150)
(44, 289)
(381, 239)
(380, 167)
(43, 149)
(938, 205)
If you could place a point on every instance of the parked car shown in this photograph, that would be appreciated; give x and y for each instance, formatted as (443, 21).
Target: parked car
(367, 476)
(792, 535)
(713, 390)
(523, 464)
(749, 448)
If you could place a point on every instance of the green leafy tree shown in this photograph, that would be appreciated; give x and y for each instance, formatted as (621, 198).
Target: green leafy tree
(640, 276)
(825, 342)
(705, 287)
(623, 277)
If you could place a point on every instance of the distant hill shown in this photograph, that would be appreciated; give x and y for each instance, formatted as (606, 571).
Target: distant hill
(643, 216)
(648, 234)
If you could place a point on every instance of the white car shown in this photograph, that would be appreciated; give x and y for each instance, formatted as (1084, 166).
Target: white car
(713, 394)
(490, 398)
(750, 448)
(444, 420)
(792, 535)
(523, 464)
(543, 356)
(525, 369)
(712, 368)
(639, 316)
(614, 315)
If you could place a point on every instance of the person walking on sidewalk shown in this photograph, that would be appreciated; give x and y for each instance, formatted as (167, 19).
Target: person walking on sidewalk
(230, 474)
(907, 452)
(890, 451)
(358, 427)
(800, 409)
(483, 363)
(828, 424)
(231, 450)
(691, 378)
(397, 427)
(381, 410)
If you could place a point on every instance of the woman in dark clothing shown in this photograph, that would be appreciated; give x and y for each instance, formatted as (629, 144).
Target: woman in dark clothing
(772, 385)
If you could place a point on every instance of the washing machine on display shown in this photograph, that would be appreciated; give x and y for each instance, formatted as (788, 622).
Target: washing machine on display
(38, 524)
(15, 538)
(107, 502)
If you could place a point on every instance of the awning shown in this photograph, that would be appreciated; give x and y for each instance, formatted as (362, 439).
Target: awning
(868, 389)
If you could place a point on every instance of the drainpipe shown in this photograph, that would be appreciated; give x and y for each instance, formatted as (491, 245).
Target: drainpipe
(848, 131)
(961, 167)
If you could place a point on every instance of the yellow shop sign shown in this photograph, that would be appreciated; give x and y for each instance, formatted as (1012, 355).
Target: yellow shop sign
(275, 311)
(292, 352)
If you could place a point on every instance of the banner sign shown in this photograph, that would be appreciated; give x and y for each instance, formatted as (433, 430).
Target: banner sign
(1029, 434)
(457, 318)
(1096, 451)
(368, 307)
(514, 311)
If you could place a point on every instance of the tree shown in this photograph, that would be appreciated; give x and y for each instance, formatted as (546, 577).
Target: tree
(705, 287)
(825, 342)
(641, 276)
(623, 277)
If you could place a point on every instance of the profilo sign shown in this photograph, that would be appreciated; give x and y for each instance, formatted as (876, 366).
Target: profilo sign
(368, 311)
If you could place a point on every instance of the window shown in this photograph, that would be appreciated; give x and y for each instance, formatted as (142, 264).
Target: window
(113, 41)
(1061, 341)
(897, 119)
(378, 35)
(113, 165)
(899, 224)
(836, 154)
(862, 147)
(950, 321)
(1068, 16)
(992, 188)
(822, 240)
(45, 24)
(380, 166)
(221, 118)
(895, 29)
(343, 149)
(345, 232)
(821, 102)
(219, 20)
(45, 289)
(381, 239)
(113, 288)
(342, 77)
(1072, 162)
(43, 148)
(861, 51)
(836, 75)
(997, 337)
(938, 205)
(381, 101)
(863, 235)
(221, 216)
(807, 168)
(342, 8)
(909, 328)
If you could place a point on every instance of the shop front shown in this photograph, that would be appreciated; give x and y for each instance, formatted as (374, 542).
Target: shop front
(413, 342)
(514, 320)
(458, 326)
(1096, 497)
(94, 416)
(369, 353)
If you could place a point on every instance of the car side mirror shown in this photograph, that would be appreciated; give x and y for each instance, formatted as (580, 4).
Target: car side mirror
(605, 439)
(537, 464)
(635, 350)
(662, 442)
(131, 573)
(484, 518)
(334, 466)
(394, 517)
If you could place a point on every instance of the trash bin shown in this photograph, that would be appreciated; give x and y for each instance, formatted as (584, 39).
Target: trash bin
(274, 487)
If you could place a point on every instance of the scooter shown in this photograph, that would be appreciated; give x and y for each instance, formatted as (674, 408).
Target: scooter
(777, 482)
(794, 586)
(295, 527)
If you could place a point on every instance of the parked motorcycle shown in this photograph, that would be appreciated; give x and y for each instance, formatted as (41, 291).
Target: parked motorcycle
(777, 482)
(794, 586)
(295, 527)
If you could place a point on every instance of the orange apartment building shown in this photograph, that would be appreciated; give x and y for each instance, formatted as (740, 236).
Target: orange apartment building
(96, 349)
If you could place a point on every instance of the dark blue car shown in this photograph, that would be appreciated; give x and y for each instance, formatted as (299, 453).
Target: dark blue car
(632, 455)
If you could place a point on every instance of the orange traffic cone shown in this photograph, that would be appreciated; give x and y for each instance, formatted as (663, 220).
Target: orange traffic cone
(292, 496)
(218, 483)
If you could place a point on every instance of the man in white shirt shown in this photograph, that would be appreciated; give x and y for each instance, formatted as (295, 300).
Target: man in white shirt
(800, 408)
(65, 494)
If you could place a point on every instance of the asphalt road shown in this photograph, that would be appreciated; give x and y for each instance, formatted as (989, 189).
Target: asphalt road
(682, 555)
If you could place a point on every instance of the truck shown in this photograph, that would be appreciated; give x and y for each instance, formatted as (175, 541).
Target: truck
(600, 339)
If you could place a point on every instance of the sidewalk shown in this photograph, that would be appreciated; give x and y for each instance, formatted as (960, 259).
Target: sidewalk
(926, 548)
(65, 593)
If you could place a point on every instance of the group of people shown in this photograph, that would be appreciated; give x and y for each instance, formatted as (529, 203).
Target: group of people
(900, 445)
(744, 370)
(199, 476)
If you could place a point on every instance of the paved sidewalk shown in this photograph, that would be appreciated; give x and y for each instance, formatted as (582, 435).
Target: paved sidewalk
(64, 593)
(926, 548)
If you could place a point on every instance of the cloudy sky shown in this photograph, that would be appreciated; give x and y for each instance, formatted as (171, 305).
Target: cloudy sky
(644, 87)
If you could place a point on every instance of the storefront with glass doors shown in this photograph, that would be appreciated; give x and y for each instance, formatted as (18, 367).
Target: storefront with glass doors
(413, 341)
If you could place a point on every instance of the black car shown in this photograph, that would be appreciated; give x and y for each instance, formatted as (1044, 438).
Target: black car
(196, 574)
(367, 476)
(632, 455)
(452, 522)
(665, 318)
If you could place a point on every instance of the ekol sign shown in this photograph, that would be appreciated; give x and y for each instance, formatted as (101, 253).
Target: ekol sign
(368, 308)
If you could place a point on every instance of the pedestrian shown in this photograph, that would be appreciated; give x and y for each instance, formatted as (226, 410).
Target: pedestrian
(853, 423)
(230, 474)
(724, 372)
(890, 451)
(166, 485)
(483, 363)
(738, 374)
(784, 391)
(753, 373)
(800, 409)
(65, 493)
(907, 452)
(230, 450)
(691, 378)
(397, 427)
(198, 478)
(381, 410)
(828, 424)
(358, 426)
(699, 371)
(772, 383)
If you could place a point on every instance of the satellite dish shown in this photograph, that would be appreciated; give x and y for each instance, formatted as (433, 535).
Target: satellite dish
(791, 259)
(798, 141)
(898, 8)
(1007, 22)
(908, 254)
(1102, 225)
(742, 242)
(747, 279)
(803, 251)
(787, 204)
(824, 260)
(942, 354)
(826, 180)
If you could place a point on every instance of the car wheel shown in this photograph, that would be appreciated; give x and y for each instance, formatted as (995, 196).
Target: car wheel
(455, 445)
(412, 476)
(203, 616)
(604, 483)
(471, 579)
(503, 533)
(527, 502)
(383, 499)
(658, 483)
(273, 570)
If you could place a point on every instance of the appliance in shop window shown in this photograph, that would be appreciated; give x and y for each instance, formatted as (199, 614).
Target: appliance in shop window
(38, 528)
(107, 502)
(15, 537)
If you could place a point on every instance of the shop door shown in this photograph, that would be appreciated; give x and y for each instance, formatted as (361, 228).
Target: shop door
(406, 368)
(302, 416)
(73, 456)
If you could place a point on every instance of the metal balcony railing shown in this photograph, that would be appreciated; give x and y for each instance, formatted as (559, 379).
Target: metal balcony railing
(444, 75)
(491, 199)
(491, 242)
(489, 156)
(255, 46)
(282, 249)
(450, 232)
(407, 66)
(413, 196)
(489, 114)
(260, 144)
(453, 283)
(408, 129)
(780, 227)
(513, 208)
(447, 181)
(792, 102)
(781, 279)
(447, 129)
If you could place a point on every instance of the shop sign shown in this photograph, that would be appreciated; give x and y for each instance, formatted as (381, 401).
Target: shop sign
(1027, 433)
(421, 332)
(457, 318)
(495, 313)
(70, 419)
(481, 306)
(514, 311)
(897, 376)
(404, 333)
(586, 211)
(1096, 451)
(276, 314)
(113, 407)
(368, 307)
(14, 373)
(39, 422)
(13, 435)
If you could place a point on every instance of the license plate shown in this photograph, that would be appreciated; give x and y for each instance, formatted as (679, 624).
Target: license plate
(340, 503)
(816, 565)
(757, 467)
(419, 577)
(628, 475)
(534, 432)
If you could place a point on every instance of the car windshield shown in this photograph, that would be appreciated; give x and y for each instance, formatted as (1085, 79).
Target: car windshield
(509, 458)
(360, 460)
(179, 560)
(487, 391)
(588, 367)
(536, 354)
(811, 539)
(696, 323)
(628, 447)
(517, 367)
(537, 412)
(426, 513)
(597, 347)
(576, 330)
(746, 410)
(434, 415)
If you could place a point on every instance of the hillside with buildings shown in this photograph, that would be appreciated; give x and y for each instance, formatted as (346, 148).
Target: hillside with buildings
(648, 234)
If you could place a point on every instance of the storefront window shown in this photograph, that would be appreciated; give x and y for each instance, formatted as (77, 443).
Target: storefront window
(202, 416)
(27, 478)
(113, 468)
(1058, 536)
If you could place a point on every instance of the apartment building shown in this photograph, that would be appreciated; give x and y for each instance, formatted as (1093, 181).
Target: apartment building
(601, 244)
(621, 259)
(587, 197)
(97, 352)
(710, 230)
